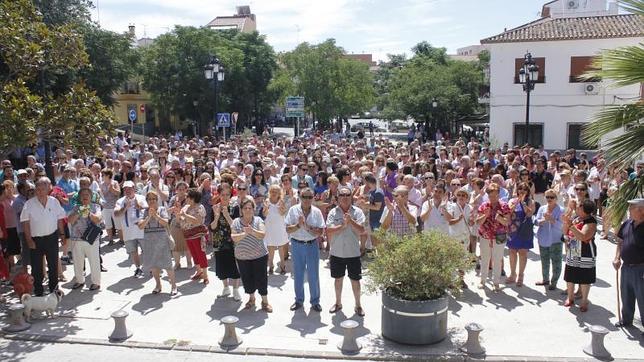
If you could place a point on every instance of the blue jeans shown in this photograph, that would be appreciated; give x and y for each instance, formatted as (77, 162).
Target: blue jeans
(306, 258)
(632, 290)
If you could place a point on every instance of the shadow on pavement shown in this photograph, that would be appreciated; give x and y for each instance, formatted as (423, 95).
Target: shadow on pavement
(467, 297)
(501, 300)
(277, 281)
(151, 302)
(130, 284)
(306, 324)
(13, 350)
(223, 307)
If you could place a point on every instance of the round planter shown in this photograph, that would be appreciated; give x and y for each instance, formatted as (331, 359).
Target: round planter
(414, 322)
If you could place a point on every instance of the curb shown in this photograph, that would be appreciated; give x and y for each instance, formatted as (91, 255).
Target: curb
(393, 356)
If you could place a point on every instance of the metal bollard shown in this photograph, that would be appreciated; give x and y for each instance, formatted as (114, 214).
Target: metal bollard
(349, 344)
(17, 321)
(596, 347)
(120, 332)
(473, 344)
(230, 338)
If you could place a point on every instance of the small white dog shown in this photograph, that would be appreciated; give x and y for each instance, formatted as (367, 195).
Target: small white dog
(47, 303)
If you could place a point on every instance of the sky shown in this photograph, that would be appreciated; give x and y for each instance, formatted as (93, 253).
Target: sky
(379, 27)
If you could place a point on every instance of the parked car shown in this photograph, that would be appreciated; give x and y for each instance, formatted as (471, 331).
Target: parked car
(398, 126)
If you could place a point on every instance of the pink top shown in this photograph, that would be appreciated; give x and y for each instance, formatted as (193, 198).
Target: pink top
(10, 219)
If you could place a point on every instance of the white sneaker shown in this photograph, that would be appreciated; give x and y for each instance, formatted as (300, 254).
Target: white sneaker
(225, 292)
(236, 294)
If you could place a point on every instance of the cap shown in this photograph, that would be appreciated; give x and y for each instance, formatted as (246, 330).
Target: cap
(637, 202)
(128, 184)
(22, 172)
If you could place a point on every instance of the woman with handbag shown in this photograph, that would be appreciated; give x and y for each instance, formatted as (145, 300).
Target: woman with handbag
(493, 220)
(521, 232)
(250, 251)
(83, 221)
(225, 263)
(581, 252)
(191, 219)
(157, 243)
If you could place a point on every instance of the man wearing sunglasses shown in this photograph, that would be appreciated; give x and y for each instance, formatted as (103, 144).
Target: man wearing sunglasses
(304, 224)
(345, 224)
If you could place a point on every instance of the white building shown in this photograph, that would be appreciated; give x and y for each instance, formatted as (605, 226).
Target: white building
(563, 43)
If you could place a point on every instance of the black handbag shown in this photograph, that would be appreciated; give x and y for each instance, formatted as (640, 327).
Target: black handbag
(92, 232)
(525, 230)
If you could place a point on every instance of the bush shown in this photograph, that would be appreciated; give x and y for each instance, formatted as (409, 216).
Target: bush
(418, 267)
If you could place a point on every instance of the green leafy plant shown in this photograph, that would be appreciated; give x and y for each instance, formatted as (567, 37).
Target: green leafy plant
(418, 267)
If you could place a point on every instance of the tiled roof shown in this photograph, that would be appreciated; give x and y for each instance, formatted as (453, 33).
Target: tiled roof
(237, 21)
(592, 27)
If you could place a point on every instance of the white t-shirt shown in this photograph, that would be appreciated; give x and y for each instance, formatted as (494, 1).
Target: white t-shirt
(43, 221)
(435, 220)
(314, 219)
(460, 229)
(131, 216)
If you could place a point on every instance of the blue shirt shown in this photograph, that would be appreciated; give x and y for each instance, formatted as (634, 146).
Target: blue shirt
(68, 186)
(548, 234)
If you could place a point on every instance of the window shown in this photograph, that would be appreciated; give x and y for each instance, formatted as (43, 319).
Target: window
(535, 134)
(541, 62)
(579, 66)
(130, 87)
(574, 137)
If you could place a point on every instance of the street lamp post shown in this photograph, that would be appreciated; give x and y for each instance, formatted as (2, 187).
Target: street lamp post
(428, 129)
(528, 76)
(214, 71)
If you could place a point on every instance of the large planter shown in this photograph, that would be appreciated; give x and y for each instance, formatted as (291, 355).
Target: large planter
(414, 322)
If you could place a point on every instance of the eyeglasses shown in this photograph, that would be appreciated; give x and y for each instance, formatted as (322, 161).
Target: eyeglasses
(241, 188)
(525, 174)
(580, 189)
(151, 199)
(344, 195)
(144, 171)
(306, 197)
(551, 197)
(456, 184)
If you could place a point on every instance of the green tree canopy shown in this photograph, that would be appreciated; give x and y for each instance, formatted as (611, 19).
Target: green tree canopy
(32, 54)
(172, 70)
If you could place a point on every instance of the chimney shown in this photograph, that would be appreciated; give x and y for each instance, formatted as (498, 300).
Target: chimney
(131, 31)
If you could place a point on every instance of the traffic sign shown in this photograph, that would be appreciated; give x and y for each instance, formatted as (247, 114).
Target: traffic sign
(142, 108)
(295, 107)
(235, 116)
(132, 115)
(223, 119)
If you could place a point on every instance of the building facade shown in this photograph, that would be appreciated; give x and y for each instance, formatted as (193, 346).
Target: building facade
(243, 20)
(564, 43)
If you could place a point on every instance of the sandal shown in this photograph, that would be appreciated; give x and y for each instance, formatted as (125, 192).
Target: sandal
(569, 303)
(520, 281)
(173, 291)
(94, 287)
(583, 308)
(267, 307)
(156, 290)
(282, 270)
(250, 304)
(77, 285)
(511, 279)
(61, 278)
(196, 276)
(335, 308)
(271, 271)
(206, 281)
(359, 311)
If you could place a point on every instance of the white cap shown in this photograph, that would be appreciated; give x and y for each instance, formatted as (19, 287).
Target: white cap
(128, 184)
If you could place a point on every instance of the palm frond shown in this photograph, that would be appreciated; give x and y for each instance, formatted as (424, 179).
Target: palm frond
(622, 65)
(612, 118)
(632, 6)
(625, 149)
(618, 204)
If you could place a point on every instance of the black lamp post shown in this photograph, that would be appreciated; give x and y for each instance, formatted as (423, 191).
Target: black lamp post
(428, 129)
(528, 76)
(214, 71)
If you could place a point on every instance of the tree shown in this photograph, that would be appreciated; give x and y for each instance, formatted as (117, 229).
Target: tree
(30, 105)
(623, 67)
(382, 83)
(172, 71)
(333, 86)
(454, 85)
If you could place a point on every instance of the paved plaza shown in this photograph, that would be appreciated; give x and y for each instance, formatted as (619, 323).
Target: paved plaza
(519, 322)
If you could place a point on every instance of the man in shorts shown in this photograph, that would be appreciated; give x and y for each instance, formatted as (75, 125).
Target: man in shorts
(130, 207)
(345, 224)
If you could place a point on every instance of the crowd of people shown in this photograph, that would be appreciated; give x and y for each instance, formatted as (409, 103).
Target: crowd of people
(250, 198)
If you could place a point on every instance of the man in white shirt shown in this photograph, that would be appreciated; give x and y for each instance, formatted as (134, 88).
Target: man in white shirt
(434, 213)
(42, 222)
(155, 184)
(305, 223)
(131, 208)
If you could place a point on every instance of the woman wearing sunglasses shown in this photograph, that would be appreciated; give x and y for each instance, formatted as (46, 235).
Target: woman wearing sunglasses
(550, 223)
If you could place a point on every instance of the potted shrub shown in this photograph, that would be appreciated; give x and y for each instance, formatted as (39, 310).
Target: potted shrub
(414, 274)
